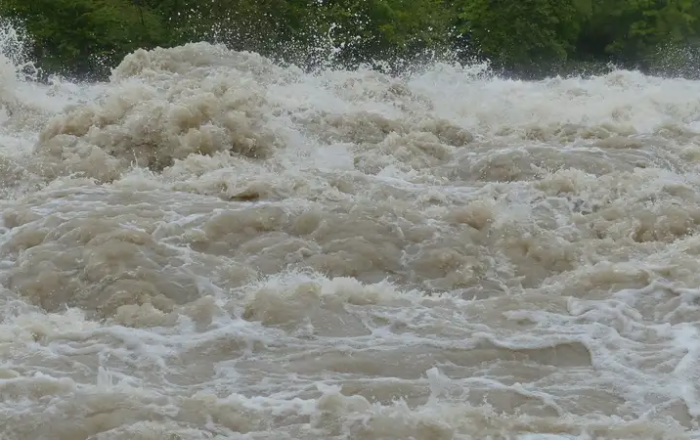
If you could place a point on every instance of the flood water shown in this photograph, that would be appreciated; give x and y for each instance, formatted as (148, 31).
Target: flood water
(212, 246)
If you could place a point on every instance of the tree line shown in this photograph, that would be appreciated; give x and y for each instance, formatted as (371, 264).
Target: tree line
(528, 38)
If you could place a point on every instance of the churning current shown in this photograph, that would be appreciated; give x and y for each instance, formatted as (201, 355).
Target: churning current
(212, 246)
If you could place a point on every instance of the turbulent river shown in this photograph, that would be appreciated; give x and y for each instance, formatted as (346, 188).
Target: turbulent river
(212, 246)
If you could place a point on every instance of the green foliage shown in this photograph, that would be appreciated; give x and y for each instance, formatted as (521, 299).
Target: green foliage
(73, 36)
(89, 36)
(372, 29)
(634, 28)
(520, 32)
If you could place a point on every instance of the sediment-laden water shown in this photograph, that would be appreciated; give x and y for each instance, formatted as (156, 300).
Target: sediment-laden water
(211, 246)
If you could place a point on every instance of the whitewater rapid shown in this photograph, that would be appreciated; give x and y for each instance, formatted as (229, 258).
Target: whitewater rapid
(212, 246)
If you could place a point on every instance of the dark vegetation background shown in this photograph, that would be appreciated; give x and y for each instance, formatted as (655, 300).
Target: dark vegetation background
(520, 38)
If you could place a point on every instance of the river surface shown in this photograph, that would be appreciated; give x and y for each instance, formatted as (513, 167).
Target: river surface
(212, 246)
